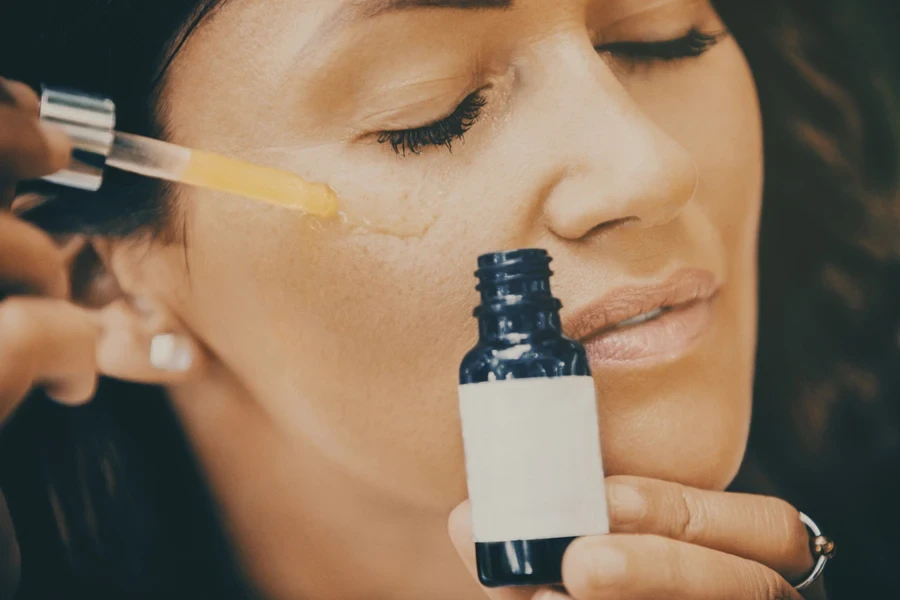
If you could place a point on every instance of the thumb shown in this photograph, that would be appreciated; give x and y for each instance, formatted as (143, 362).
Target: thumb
(460, 529)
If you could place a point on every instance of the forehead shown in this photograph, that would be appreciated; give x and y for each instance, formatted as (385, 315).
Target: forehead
(278, 28)
(330, 15)
(256, 56)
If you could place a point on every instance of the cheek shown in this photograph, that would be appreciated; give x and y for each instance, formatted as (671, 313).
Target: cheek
(350, 341)
(687, 423)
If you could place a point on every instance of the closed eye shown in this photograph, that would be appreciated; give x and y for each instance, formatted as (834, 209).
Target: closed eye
(454, 126)
(694, 44)
(443, 132)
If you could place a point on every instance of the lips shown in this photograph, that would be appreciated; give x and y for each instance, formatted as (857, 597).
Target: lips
(642, 322)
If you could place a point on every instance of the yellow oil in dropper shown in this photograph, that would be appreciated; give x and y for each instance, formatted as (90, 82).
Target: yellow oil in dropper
(163, 160)
(90, 123)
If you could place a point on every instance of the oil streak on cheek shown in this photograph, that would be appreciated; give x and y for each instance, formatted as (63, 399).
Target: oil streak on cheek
(372, 198)
(372, 202)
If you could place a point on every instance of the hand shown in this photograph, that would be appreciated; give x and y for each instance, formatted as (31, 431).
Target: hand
(28, 263)
(678, 543)
(44, 340)
(47, 340)
(28, 148)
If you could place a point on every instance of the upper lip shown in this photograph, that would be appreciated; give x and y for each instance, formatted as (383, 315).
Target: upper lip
(684, 287)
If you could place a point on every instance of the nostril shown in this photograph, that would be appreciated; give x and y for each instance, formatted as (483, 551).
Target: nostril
(608, 227)
(615, 224)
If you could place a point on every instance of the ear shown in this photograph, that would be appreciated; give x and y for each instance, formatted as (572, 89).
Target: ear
(140, 339)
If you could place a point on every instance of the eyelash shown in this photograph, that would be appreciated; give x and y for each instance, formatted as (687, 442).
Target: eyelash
(454, 126)
(692, 45)
(440, 133)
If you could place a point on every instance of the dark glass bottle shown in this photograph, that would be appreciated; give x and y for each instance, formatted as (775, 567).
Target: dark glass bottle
(529, 426)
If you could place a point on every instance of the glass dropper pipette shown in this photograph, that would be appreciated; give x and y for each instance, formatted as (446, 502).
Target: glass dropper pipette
(162, 160)
(90, 122)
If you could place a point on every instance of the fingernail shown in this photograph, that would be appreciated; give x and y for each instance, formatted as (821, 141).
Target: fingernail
(626, 504)
(171, 352)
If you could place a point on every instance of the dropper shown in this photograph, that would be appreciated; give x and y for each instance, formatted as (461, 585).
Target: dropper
(90, 122)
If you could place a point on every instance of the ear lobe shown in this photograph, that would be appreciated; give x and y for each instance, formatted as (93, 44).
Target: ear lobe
(140, 341)
(134, 347)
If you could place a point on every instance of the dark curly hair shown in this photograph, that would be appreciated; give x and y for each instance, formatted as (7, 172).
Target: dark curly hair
(826, 426)
(109, 503)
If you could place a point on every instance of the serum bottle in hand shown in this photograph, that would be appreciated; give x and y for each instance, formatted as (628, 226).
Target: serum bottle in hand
(530, 429)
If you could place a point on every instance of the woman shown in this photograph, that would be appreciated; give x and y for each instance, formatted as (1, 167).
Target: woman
(299, 438)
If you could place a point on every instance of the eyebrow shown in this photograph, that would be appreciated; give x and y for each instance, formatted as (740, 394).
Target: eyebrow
(356, 10)
(372, 8)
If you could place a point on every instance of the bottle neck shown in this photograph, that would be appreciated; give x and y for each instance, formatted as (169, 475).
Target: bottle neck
(518, 325)
(518, 311)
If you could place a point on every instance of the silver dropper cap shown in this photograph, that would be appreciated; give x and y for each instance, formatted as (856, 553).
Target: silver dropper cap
(91, 122)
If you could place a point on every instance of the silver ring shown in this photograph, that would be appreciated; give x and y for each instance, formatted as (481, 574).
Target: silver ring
(822, 548)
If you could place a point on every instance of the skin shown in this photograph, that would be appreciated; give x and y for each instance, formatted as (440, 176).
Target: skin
(321, 397)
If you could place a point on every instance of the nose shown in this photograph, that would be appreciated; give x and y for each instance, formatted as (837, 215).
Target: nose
(618, 166)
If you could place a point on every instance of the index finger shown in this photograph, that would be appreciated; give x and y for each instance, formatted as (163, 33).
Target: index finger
(29, 148)
(759, 528)
(30, 263)
(19, 94)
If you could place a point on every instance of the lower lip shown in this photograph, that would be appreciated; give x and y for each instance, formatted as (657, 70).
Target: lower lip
(663, 339)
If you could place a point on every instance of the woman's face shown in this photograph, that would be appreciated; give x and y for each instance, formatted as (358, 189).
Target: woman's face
(582, 138)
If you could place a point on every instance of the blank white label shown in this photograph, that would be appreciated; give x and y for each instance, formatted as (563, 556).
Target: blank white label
(533, 459)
